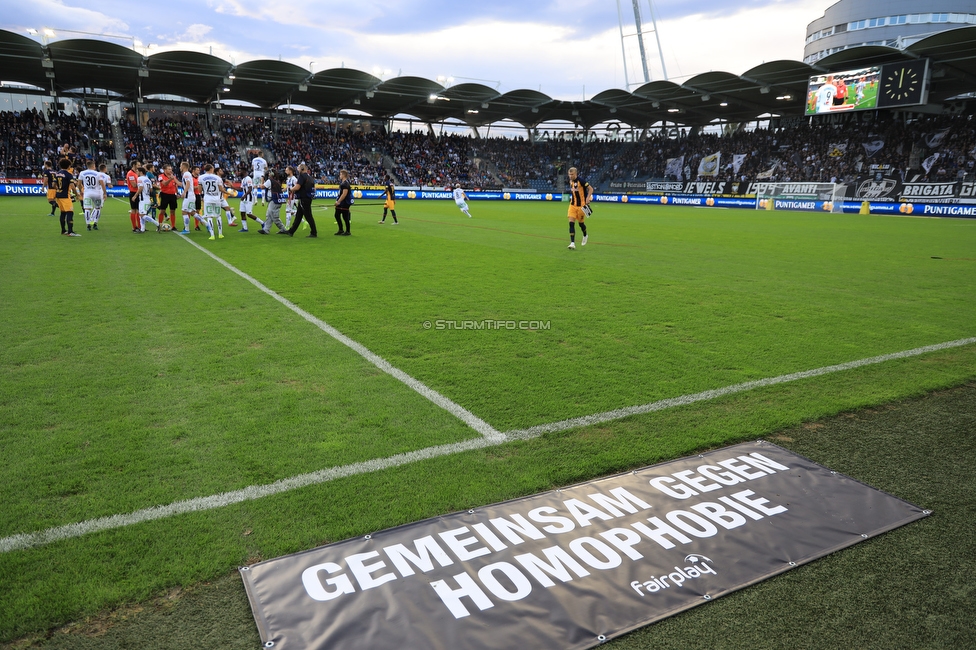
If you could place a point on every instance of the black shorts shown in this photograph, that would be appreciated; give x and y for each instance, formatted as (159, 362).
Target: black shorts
(133, 200)
(199, 202)
(167, 201)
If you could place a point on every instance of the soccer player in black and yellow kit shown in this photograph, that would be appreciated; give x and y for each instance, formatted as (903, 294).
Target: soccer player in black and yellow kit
(49, 173)
(580, 195)
(64, 185)
(390, 202)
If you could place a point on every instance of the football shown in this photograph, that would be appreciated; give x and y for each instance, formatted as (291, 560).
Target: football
(164, 226)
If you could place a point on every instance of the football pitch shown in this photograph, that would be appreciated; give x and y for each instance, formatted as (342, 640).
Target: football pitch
(150, 393)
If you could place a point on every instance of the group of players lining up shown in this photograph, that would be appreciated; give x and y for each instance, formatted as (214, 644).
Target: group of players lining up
(203, 198)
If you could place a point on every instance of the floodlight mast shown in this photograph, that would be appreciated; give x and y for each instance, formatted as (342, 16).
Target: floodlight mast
(641, 32)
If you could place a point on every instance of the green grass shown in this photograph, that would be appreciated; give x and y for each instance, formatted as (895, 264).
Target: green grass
(890, 592)
(136, 371)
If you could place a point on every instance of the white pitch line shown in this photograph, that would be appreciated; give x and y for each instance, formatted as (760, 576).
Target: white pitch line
(250, 493)
(41, 538)
(599, 418)
(469, 418)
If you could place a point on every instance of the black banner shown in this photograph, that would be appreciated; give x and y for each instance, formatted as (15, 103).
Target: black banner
(931, 192)
(719, 188)
(571, 568)
(876, 187)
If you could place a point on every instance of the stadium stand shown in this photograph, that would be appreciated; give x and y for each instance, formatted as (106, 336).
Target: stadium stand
(203, 128)
(28, 138)
(804, 152)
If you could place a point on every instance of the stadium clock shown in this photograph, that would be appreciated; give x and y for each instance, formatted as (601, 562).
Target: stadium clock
(903, 84)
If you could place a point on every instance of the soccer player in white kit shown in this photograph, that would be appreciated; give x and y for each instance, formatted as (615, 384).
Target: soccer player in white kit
(94, 190)
(859, 91)
(259, 165)
(106, 181)
(825, 95)
(189, 207)
(213, 196)
(145, 186)
(228, 192)
(247, 202)
(461, 199)
(291, 181)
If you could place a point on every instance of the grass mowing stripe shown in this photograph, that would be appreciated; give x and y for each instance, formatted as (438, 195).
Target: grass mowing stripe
(671, 402)
(473, 421)
(29, 540)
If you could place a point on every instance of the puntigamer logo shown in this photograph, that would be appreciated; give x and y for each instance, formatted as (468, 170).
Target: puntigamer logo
(698, 567)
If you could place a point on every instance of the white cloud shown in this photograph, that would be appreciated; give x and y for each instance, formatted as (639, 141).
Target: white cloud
(736, 43)
(196, 32)
(54, 13)
(324, 14)
(562, 60)
(553, 55)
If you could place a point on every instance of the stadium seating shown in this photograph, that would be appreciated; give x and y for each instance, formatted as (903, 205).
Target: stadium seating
(807, 152)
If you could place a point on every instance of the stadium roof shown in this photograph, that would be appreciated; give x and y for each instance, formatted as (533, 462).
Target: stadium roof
(779, 87)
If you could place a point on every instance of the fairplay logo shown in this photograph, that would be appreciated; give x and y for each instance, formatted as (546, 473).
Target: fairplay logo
(698, 566)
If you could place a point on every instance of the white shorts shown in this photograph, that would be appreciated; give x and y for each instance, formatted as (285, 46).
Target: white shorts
(224, 204)
(211, 210)
(462, 205)
(247, 207)
(144, 207)
(189, 205)
(258, 181)
(93, 202)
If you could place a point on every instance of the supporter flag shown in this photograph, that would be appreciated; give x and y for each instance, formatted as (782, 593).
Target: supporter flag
(838, 149)
(934, 139)
(709, 165)
(929, 162)
(872, 147)
(674, 167)
(737, 160)
(768, 173)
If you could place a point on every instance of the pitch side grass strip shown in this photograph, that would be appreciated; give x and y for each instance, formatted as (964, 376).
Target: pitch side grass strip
(473, 421)
(41, 538)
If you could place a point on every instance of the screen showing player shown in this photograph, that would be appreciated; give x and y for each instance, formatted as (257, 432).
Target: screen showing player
(851, 90)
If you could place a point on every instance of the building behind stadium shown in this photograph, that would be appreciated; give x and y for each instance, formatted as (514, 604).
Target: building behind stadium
(895, 23)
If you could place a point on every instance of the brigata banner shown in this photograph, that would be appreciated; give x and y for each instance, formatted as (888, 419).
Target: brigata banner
(574, 567)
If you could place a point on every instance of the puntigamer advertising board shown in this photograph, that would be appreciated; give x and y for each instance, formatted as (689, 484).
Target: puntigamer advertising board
(574, 567)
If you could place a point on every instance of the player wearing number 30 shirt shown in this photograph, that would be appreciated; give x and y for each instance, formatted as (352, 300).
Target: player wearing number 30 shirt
(213, 195)
(94, 188)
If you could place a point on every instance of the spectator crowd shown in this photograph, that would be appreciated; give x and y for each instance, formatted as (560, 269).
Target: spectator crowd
(933, 148)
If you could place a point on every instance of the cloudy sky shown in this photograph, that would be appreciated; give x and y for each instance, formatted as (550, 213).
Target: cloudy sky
(508, 44)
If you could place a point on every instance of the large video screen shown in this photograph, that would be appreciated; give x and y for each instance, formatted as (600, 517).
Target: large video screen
(851, 90)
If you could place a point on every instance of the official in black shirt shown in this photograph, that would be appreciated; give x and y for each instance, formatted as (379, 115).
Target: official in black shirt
(343, 202)
(304, 191)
